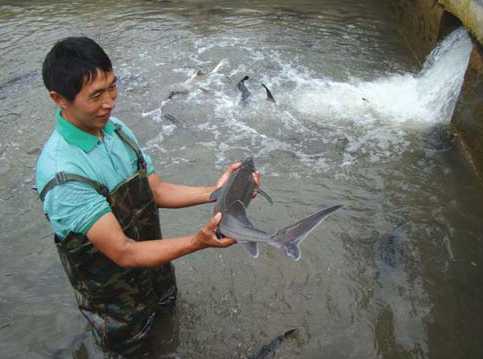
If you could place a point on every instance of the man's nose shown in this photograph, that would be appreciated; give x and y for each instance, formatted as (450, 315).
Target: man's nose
(108, 101)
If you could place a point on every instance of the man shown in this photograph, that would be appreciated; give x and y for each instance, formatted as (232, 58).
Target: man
(101, 196)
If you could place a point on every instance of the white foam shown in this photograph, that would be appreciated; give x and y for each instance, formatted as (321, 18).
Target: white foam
(359, 119)
(427, 97)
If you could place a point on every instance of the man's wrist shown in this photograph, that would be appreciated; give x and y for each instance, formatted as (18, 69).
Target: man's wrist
(195, 243)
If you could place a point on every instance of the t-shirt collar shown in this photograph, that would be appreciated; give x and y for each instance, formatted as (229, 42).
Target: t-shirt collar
(77, 137)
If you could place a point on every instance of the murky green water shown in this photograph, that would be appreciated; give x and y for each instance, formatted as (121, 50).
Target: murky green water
(351, 125)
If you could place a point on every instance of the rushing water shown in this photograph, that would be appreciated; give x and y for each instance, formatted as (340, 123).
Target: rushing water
(395, 274)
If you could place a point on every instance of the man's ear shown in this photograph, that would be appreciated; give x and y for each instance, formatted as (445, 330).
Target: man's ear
(59, 100)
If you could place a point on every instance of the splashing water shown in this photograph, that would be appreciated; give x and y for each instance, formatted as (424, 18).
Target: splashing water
(427, 97)
(320, 122)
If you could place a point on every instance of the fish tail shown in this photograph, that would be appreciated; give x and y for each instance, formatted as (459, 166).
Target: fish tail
(289, 238)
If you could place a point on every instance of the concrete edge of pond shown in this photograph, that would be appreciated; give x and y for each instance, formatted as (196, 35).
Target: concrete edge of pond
(467, 120)
(425, 22)
(470, 12)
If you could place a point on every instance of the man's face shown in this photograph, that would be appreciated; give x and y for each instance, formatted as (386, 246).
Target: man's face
(92, 106)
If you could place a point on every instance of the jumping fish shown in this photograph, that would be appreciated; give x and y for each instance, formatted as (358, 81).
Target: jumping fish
(232, 200)
(190, 84)
(243, 89)
(245, 93)
(269, 94)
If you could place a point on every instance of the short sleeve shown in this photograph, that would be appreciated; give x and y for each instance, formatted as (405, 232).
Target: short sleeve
(147, 158)
(74, 207)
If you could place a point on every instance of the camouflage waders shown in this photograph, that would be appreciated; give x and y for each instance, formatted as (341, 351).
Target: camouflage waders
(119, 303)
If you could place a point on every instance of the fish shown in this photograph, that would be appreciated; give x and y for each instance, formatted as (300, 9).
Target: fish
(171, 118)
(233, 198)
(389, 251)
(245, 93)
(269, 94)
(176, 93)
(191, 84)
(273, 346)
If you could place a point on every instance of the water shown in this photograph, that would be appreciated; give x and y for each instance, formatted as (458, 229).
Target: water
(357, 121)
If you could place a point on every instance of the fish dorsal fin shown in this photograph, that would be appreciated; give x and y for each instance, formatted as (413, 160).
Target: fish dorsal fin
(269, 94)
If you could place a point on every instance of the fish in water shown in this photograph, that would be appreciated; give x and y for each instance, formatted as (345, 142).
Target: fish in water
(245, 93)
(191, 84)
(269, 94)
(232, 200)
(243, 89)
(169, 117)
(390, 253)
(273, 346)
(176, 93)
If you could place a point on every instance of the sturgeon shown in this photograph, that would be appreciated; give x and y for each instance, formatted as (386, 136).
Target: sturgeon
(245, 93)
(232, 200)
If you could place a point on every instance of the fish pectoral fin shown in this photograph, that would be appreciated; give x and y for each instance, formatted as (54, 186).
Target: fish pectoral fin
(265, 195)
(215, 195)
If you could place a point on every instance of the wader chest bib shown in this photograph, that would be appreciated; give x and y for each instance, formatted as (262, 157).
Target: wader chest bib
(119, 303)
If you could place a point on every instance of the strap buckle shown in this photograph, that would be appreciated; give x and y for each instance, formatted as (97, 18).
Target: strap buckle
(60, 178)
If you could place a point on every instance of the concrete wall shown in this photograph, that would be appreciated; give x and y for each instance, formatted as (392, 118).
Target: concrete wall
(468, 117)
(422, 24)
(470, 12)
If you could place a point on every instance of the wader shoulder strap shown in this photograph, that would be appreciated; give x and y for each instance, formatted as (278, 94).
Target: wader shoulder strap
(62, 177)
(125, 138)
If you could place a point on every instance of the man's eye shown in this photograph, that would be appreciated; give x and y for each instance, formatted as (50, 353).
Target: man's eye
(96, 96)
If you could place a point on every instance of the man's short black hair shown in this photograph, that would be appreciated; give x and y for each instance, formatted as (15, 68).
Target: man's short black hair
(71, 63)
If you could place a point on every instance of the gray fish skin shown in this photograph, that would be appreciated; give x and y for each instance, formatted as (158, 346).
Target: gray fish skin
(243, 89)
(269, 94)
(233, 199)
(245, 93)
(269, 350)
(389, 251)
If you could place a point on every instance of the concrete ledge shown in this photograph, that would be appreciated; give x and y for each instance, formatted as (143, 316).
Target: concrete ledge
(425, 22)
(470, 12)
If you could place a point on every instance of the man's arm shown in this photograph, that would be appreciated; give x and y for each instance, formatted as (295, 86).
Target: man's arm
(170, 195)
(107, 236)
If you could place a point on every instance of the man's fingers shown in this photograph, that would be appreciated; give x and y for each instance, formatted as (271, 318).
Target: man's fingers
(226, 242)
(214, 221)
(256, 177)
(234, 166)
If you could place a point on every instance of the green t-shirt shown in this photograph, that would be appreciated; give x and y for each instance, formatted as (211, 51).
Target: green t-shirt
(76, 206)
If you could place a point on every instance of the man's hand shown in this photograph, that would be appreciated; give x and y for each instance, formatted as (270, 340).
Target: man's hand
(224, 177)
(232, 168)
(206, 237)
